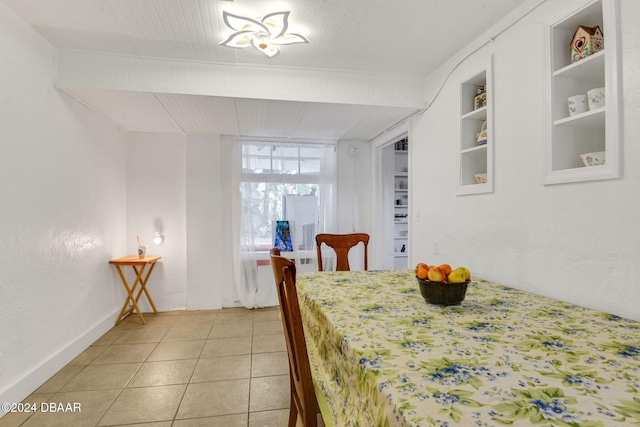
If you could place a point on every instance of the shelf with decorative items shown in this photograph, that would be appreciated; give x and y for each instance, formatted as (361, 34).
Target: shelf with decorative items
(476, 142)
(582, 130)
(401, 204)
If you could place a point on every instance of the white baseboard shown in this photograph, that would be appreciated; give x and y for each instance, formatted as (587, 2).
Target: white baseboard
(39, 375)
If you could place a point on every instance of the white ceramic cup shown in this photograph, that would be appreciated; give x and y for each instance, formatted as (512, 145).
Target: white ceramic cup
(142, 251)
(596, 98)
(577, 104)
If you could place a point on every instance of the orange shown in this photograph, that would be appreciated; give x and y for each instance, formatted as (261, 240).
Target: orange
(421, 272)
(446, 269)
(420, 265)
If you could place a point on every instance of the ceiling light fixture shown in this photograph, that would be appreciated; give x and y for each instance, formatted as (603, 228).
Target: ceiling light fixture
(264, 34)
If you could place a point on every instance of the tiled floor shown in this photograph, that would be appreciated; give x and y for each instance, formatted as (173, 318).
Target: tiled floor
(222, 368)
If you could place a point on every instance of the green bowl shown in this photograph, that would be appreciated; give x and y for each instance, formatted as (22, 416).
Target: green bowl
(442, 293)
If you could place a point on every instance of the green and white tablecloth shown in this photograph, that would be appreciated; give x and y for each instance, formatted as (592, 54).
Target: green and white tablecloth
(384, 357)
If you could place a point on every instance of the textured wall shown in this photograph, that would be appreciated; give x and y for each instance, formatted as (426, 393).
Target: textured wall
(157, 201)
(62, 212)
(577, 242)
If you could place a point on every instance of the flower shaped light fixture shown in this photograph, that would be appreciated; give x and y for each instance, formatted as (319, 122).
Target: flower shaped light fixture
(264, 34)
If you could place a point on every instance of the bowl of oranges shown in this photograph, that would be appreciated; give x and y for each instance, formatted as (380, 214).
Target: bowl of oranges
(441, 284)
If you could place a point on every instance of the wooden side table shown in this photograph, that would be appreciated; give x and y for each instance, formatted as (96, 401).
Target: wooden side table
(139, 264)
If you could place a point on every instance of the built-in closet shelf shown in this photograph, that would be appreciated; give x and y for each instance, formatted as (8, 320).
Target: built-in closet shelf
(397, 200)
(569, 137)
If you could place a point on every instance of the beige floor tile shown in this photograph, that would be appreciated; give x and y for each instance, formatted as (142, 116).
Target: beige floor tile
(184, 332)
(268, 393)
(235, 316)
(215, 398)
(125, 353)
(270, 327)
(60, 379)
(233, 310)
(204, 312)
(103, 377)
(227, 346)
(144, 335)
(268, 343)
(172, 313)
(147, 404)
(269, 364)
(229, 330)
(197, 318)
(15, 419)
(88, 355)
(222, 368)
(163, 373)
(109, 337)
(204, 368)
(151, 320)
(265, 315)
(177, 350)
(237, 420)
(157, 424)
(277, 418)
(93, 405)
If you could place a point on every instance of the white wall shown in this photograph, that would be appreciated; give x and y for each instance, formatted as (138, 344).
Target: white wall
(156, 201)
(63, 209)
(576, 242)
(355, 198)
(178, 185)
(206, 222)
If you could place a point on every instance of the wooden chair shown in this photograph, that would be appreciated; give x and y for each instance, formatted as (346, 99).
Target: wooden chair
(341, 244)
(303, 395)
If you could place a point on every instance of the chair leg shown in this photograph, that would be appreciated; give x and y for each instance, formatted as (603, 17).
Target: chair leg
(293, 412)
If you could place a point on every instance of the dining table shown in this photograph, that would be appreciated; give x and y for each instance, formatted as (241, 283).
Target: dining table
(382, 356)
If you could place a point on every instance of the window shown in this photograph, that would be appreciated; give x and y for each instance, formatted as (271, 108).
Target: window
(279, 181)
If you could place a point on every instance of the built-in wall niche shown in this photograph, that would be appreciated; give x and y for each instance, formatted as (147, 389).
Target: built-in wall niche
(582, 138)
(476, 129)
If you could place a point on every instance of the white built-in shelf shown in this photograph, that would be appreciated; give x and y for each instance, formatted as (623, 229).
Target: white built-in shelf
(479, 114)
(476, 158)
(472, 149)
(590, 68)
(567, 137)
(398, 231)
(594, 119)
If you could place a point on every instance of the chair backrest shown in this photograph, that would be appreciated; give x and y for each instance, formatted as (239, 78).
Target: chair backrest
(341, 244)
(302, 390)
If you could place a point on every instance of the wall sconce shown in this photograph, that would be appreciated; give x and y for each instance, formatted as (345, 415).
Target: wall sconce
(159, 238)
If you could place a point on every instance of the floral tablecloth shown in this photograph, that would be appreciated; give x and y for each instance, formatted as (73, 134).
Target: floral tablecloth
(384, 357)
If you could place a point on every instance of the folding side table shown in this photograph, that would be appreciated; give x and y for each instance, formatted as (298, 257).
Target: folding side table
(139, 264)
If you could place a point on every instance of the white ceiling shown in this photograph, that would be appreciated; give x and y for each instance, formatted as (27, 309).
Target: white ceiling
(404, 37)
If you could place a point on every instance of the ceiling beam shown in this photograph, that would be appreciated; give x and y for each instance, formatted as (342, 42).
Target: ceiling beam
(77, 69)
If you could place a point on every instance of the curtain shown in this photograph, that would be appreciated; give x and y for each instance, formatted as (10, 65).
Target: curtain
(278, 181)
